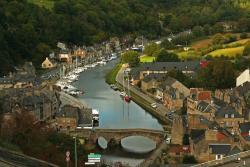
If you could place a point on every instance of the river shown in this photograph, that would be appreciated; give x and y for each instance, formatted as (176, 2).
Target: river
(114, 113)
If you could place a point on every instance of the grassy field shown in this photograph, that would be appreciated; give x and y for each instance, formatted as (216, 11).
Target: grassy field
(239, 42)
(146, 59)
(202, 44)
(43, 3)
(184, 55)
(228, 52)
(110, 77)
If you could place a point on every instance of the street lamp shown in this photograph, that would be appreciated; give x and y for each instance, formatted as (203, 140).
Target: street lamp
(75, 152)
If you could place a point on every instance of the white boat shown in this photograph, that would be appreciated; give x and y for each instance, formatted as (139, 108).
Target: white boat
(95, 114)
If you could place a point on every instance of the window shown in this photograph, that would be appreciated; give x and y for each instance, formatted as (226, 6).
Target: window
(232, 115)
(226, 115)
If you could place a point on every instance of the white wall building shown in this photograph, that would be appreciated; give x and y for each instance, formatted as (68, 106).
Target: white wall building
(243, 77)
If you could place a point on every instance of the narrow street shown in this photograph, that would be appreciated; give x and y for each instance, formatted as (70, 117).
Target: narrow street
(160, 110)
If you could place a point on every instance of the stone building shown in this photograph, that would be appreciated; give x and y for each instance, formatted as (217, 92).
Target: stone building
(177, 135)
(48, 64)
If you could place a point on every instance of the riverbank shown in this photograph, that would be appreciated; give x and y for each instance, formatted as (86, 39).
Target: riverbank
(144, 101)
(110, 77)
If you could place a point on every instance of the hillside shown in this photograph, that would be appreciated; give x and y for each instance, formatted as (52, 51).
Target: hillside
(29, 29)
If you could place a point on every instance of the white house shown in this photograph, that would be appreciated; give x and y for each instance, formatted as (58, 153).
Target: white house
(243, 77)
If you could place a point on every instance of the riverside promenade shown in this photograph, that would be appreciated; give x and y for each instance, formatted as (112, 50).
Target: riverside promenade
(160, 112)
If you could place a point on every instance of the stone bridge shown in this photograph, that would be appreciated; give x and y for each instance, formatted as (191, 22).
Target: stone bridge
(118, 134)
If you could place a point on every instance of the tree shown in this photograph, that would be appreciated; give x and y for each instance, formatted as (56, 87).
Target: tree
(165, 56)
(198, 31)
(131, 57)
(243, 35)
(246, 51)
(167, 44)
(189, 159)
(151, 48)
(219, 74)
(218, 39)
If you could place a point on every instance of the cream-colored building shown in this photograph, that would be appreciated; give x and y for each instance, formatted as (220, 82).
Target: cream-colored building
(47, 64)
(243, 77)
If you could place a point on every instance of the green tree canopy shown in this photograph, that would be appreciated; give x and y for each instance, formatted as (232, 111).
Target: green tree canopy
(164, 56)
(131, 57)
(218, 74)
(246, 51)
(151, 48)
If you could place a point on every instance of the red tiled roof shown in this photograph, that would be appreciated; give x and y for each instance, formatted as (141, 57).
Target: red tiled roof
(179, 149)
(204, 64)
(204, 95)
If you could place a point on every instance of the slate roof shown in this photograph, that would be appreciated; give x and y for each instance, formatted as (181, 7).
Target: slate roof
(68, 112)
(197, 134)
(166, 66)
(222, 149)
(149, 77)
(221, 112)
(242, 90)
(244, 127)
(235, 150)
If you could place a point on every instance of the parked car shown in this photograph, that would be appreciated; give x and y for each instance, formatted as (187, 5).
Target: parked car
(168, 140)
(154, 105)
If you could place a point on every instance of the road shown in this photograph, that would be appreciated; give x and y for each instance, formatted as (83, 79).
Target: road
(237, 164)
(160, 110)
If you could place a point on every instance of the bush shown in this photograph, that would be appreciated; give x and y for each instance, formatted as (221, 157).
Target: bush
(189, 159)
(243, 35)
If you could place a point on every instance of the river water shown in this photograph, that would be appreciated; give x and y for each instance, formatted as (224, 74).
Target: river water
(114, 113)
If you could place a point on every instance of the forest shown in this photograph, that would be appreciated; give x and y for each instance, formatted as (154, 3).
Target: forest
(30, 29)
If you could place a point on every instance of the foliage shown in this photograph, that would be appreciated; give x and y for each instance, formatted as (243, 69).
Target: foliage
(186, 139)
(131, 57)
(111, 75)
(227, 52)
(151, 48)
(218, 74)
(243, 35)
(37, 140)
(246, 51)
(185, 80)
(166, 44)
(30, 29)
(189, 159)
(165, 56)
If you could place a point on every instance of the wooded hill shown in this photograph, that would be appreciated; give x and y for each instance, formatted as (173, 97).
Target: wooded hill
(30, 29)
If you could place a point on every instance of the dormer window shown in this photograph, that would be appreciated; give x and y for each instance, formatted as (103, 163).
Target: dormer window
(226, 115)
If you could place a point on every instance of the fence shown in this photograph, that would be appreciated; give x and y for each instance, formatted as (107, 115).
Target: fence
(225, 160)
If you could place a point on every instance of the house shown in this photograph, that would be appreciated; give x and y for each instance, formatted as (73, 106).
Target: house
(188, 68)
(24, 77)
(67, 118)
(244, 131)
(48, 64)
(200, 103)
(151, 82)
(174, 93)
(217, 151)
(79, 53)
(65, 56)
(178, 151)
(205, 143)
(177, 135)
(43, 105)
(70, 117)
(243, 77)
(229, 118)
